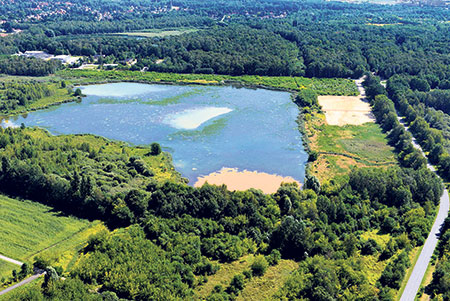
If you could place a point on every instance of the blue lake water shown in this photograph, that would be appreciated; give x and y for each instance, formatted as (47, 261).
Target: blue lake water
(205, 128)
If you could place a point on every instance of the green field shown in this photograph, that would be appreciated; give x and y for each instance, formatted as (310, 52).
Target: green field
(153, 33)
(364, 141)
(341, 148)
(6, 269)
(30, 228)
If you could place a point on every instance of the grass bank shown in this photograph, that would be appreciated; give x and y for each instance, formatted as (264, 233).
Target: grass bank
(110, 151)
(322, 86)
(58, 96)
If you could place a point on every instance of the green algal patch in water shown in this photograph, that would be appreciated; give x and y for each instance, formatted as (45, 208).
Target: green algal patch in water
(175, 99)
(117, 101)
(166, 101)
(212, 129)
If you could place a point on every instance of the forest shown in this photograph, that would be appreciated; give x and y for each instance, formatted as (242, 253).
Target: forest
(313, 40)
(191, 228)
(166, 239)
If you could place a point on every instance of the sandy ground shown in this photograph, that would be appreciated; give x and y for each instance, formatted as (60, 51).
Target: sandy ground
(342, 110)
(243, 180)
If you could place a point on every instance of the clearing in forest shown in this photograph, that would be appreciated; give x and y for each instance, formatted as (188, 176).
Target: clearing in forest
(342, 110)
(340, 148)
(258, 287)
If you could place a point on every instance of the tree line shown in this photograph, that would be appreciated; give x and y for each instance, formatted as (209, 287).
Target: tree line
(313, 40)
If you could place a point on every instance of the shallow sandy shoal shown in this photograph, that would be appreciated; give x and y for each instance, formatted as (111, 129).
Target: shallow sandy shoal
(243, 180)
(342, 110)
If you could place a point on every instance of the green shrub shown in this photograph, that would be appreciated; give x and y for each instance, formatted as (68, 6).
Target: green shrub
(237, 284)
(259, 266)
(155, 149)
(274, 257)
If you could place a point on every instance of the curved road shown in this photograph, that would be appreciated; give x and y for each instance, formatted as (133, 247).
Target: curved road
(414, 281)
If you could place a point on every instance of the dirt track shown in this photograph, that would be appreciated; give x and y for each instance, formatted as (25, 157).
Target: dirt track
(2, 257)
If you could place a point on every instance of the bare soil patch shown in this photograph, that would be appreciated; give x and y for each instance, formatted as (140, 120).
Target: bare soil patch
(243, 180)
(342, 110)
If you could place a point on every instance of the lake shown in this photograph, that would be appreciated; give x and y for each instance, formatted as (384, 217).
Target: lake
(207, 129)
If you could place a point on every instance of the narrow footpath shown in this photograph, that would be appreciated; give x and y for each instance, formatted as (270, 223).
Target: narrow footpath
(414, 281)
(37, 274)
(10, 260)
(23, 282)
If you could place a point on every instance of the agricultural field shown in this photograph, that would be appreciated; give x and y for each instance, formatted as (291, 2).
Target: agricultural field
(6, 268)
(157, 33)
(340, 148)
(31, 229)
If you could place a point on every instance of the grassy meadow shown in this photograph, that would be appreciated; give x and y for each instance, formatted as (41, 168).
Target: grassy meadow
(264, 287)
(257, 288)
(6, 268)
(342, 147)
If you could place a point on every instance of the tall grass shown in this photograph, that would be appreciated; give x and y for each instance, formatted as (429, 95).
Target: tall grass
(28, 228)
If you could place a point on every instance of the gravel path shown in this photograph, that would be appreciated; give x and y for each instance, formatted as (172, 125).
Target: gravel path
(10, 260)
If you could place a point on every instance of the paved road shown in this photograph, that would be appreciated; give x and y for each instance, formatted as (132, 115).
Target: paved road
(414, 281)
(10, 260)
(23, 282)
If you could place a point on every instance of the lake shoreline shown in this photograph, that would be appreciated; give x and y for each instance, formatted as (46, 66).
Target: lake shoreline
(226, 83)
(181, 126)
